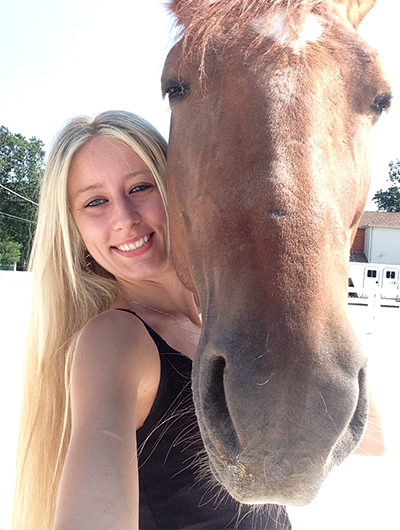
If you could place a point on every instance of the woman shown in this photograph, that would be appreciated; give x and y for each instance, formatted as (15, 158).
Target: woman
(111, 338)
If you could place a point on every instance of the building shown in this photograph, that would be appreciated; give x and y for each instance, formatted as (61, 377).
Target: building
(377, 239)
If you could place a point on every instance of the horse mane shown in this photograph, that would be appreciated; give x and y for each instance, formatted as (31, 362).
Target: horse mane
(202, 21)
(216, 13)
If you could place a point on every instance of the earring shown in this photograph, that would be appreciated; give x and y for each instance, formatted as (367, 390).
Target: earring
(88, 260)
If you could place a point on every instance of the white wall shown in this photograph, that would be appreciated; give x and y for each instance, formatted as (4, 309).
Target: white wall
(382, 245)
(15, 289)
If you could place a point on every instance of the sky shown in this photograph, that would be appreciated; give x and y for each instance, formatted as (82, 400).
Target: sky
(60, 59)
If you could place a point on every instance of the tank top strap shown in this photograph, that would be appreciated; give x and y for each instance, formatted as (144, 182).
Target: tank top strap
(162, 346)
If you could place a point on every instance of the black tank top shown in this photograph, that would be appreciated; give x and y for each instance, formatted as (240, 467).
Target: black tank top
(176, 490)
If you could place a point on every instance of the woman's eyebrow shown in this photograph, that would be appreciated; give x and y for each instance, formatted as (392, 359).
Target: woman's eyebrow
(97, 186)
(91, 187)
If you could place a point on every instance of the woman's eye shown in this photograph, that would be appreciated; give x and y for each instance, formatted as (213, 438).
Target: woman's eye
(140, 187)
(95, 202)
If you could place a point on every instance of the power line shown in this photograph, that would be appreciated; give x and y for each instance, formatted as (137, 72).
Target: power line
(15, 217)
(18, 195)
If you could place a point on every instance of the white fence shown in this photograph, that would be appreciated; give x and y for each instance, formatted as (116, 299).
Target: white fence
(374, 285)
(372, 298)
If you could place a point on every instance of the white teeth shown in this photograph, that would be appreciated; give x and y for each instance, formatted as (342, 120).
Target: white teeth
(134, 246)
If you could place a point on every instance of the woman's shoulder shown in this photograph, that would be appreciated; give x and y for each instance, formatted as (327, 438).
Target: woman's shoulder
(116, 343)
(114, 318)
(123, 328)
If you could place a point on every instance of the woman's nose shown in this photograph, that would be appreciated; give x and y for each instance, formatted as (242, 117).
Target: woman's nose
(125, 214)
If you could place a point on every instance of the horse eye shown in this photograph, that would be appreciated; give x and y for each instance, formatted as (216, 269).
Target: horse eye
(381, 104)
(176, 90)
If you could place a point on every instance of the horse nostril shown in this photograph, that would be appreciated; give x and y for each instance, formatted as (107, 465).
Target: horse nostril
(359, 418)
(216, 392)
(216, 412)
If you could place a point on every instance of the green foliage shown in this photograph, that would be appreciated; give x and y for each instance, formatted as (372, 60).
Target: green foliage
(389, 200)
(10, 252)
(21, 167)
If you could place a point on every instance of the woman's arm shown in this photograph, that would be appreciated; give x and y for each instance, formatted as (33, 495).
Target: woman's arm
(116, 365)
(373, 442)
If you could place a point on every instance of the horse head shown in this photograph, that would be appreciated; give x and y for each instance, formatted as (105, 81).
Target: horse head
(272, 105)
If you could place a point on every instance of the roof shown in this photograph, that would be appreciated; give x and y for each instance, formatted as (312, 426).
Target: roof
(385, 219)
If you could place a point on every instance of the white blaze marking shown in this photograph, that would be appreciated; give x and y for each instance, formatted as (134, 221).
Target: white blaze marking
(281, 32)
(312, 30)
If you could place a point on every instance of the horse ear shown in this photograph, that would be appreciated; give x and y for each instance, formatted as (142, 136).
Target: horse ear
(181, 9)
(173, 5)
(356, 10)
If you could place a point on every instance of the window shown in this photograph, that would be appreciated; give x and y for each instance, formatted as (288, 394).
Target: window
(391, 275)
(371, 273)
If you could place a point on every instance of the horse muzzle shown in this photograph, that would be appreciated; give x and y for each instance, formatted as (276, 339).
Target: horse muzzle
(275, 425)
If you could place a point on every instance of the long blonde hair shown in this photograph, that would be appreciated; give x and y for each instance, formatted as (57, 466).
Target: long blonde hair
(66, 293)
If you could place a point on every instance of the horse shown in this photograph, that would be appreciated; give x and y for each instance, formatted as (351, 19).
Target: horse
(272, 103)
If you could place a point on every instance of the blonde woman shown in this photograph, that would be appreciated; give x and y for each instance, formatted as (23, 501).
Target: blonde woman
(111, 337)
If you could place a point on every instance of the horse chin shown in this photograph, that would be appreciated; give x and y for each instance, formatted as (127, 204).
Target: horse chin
(244, 487)
(255, 476)
(299, 489)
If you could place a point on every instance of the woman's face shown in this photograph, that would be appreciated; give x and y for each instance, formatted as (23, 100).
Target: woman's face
(118, 210)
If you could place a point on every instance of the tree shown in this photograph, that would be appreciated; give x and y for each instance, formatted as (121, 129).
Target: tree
(21, 168)
(10, 252)
(389, 200)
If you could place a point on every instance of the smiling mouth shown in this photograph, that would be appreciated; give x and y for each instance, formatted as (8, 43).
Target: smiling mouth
(134, 246)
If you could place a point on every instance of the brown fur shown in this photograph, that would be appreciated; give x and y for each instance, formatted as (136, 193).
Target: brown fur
(268, 174)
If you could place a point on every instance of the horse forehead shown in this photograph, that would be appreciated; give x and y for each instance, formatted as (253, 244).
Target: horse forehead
(280, 30)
